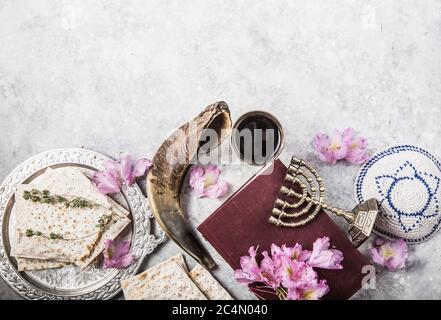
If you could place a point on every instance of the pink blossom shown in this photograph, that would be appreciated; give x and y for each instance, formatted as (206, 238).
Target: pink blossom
(312, 290)
(120, 172)
(390, 254)
(206, 182)
(296, 273)
(330, 148)
(356, 152)
(323, 257)
(130, 172)
(289, 271)
(294, 253)
(196, 175)
(141, 166)
(270, 271)
(250, 270)
(107, 181)
(117, 254)
(341, 145)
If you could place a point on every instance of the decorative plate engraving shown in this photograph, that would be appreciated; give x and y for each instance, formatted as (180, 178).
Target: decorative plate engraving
(72, 282)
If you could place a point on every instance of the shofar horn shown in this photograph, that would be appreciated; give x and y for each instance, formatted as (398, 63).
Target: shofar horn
(170, 165)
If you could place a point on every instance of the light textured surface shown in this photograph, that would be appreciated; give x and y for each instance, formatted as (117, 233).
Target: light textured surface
(117, 76)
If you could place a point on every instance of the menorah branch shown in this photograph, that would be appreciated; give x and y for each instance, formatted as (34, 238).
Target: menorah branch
(302, 198)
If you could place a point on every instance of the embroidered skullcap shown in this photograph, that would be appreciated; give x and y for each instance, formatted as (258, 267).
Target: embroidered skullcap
(405, 179)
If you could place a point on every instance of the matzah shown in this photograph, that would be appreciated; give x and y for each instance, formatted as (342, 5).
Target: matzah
(165, 281)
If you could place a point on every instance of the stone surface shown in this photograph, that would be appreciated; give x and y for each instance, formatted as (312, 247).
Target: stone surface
(118, 76)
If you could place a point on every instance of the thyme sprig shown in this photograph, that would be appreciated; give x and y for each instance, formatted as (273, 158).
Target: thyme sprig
(104, 222)
(45, 196)
(52, 235)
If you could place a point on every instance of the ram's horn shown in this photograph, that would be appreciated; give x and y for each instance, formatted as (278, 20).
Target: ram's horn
(170, 165)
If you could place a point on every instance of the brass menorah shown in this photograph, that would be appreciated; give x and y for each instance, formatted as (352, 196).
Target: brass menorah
(303, 198)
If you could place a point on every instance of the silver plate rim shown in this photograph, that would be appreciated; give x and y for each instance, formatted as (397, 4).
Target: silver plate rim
(144, 241)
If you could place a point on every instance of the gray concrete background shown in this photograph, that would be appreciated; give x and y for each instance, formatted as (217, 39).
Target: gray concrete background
(117, 76)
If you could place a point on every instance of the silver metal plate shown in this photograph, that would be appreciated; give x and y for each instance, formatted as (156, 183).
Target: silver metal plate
(71, 282)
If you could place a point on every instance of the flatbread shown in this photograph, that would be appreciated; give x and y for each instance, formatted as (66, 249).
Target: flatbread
(179, 259)
(26, 264)
(208, 284)
(82, 241)
(71, 181)
(78, 227)
(165, 281)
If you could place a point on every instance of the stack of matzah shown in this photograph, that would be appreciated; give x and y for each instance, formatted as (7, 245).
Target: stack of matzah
(170, 280)
(81, 238)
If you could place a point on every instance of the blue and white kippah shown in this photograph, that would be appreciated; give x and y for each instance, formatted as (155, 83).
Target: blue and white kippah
(405, 180)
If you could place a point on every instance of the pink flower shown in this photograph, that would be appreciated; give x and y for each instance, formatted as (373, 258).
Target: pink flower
(120, 172)
(390, 254)
(289, 271)
(312, 290)
(296, 273)
(330, 148)
(117, 254)
(129, 172)
(341, 145)
(323, 257)
(107, 181)
(206, 183)
(356, 153)
(270, 274)
(141, 166)
(250, 270)
(294, 253)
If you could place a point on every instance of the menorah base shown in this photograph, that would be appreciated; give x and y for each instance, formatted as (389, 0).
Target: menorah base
(362, 225)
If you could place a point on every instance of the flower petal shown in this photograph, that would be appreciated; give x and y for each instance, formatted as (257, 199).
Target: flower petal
(141, 166)
(330, 149)
(293, 294)
(341, 145)
(243, 277)
(356, 153)
(313, 290)
(211, 175)
(348, 134)
(269, 271)
(124, 261)
(196, 174)
(206, 183)
(111, 165)
(117, 254)
(106, 182)
(357, 156)
(321, 144)
(250, 270)
(217, 190)
(338, 147)
(390, 254)
(376, 257)
(323, 257)
(199, 188)
(125, 167)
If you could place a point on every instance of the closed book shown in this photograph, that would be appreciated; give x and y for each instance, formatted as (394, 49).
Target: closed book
(242, 221)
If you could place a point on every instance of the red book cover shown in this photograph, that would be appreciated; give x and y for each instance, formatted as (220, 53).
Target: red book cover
(242, 221)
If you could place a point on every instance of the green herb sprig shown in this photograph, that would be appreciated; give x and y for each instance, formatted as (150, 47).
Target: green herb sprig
(52, 235)
(45, 196)
(104, 222)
